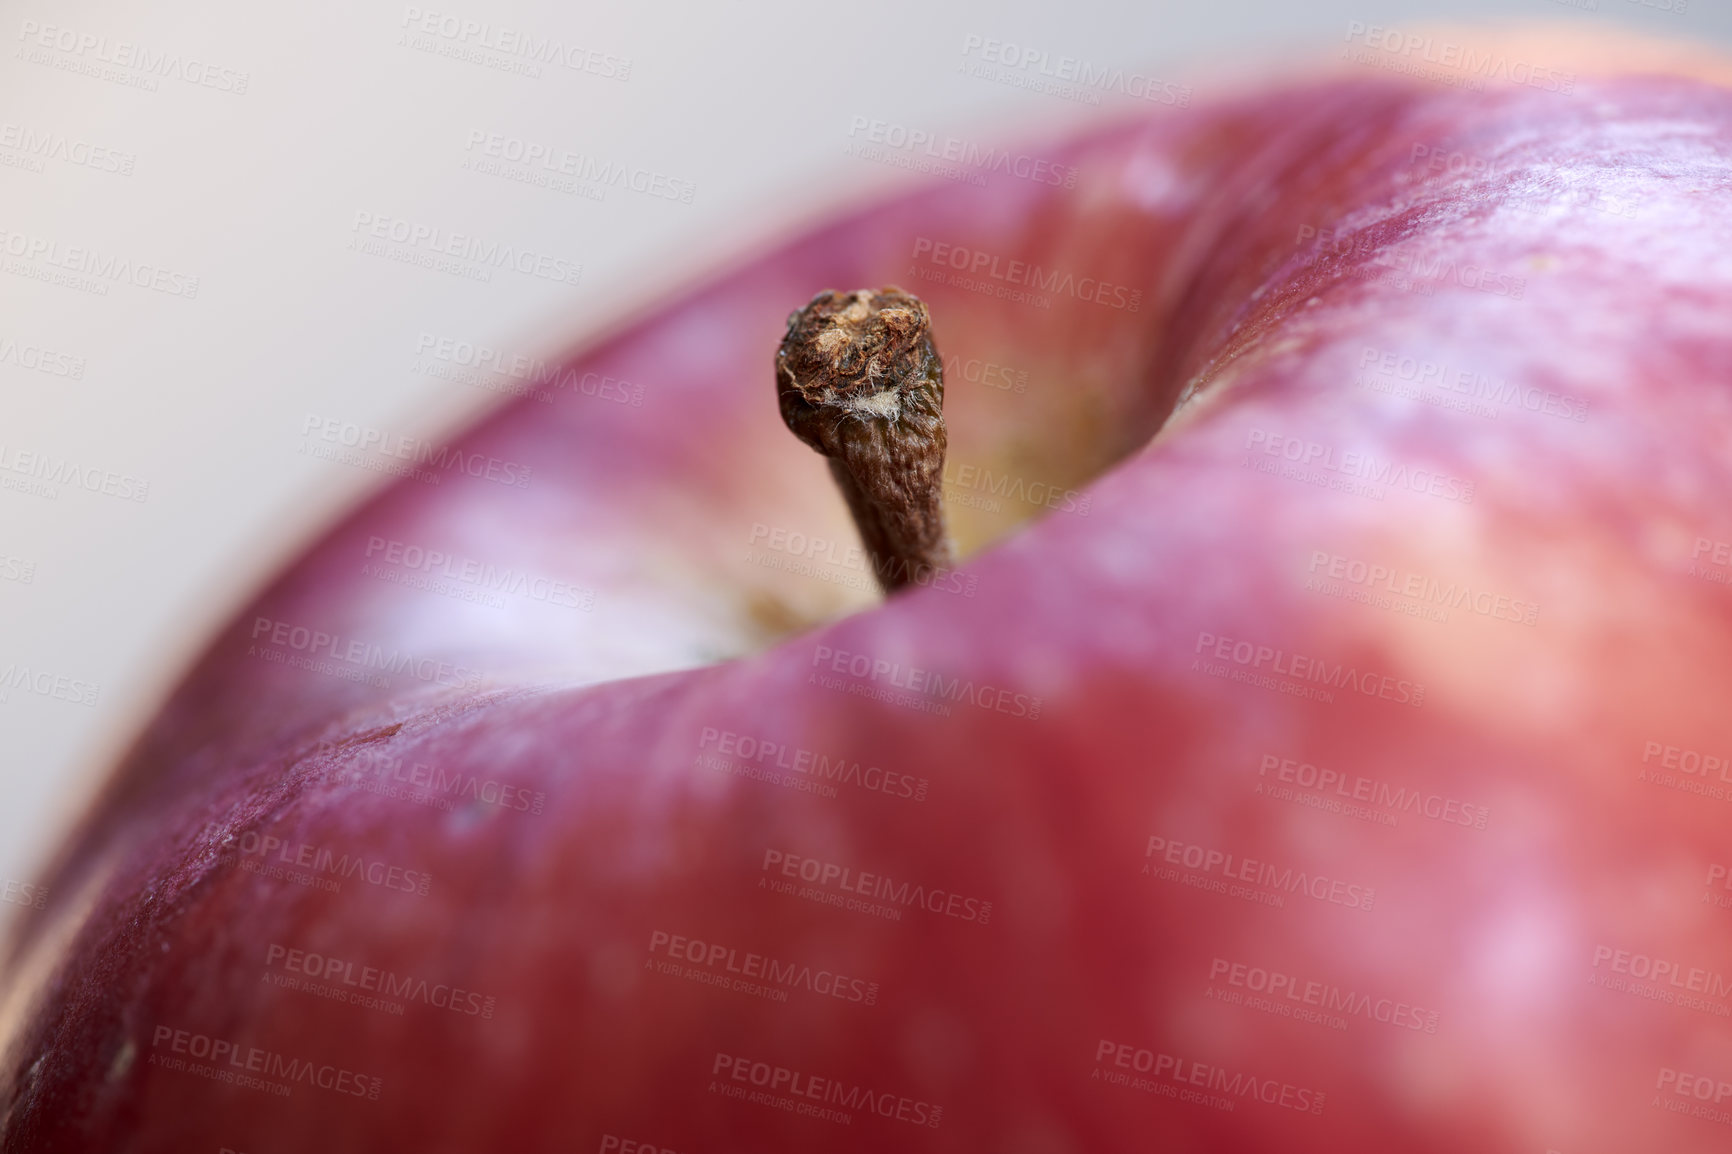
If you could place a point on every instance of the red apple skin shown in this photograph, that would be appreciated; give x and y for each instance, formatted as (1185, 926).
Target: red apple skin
(1026, 1025)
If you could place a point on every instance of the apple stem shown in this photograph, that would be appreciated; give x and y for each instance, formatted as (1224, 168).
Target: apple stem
(859, 380)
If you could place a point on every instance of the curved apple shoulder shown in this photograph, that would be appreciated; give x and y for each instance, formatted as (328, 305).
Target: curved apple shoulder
(1343, 770)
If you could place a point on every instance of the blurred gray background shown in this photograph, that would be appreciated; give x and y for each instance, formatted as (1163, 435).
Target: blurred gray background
(181, 185)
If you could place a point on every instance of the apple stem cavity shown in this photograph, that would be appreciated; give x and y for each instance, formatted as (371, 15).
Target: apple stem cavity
(859, 380)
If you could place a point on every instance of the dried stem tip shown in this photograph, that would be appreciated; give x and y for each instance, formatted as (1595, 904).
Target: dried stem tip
(859, 380)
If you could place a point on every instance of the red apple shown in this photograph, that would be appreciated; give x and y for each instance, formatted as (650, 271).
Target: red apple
(1344, 768)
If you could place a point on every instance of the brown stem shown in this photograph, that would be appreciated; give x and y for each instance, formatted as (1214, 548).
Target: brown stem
(859, 380)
